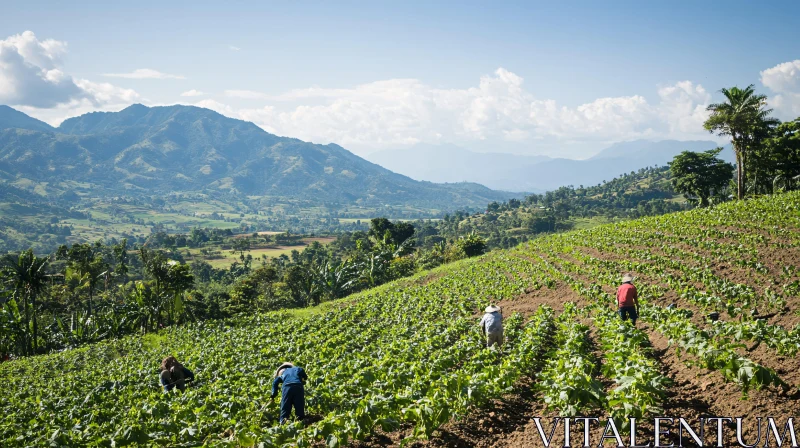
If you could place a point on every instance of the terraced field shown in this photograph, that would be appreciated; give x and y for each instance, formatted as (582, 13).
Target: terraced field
(405, 362)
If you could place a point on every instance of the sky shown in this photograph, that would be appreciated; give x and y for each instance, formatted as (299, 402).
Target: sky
(540, 78)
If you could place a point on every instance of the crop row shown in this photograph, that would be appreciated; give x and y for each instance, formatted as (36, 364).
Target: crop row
(568, 380)
(711, 351)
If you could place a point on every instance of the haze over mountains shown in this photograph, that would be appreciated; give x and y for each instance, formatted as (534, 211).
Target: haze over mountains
(510, 172)
(184, 148)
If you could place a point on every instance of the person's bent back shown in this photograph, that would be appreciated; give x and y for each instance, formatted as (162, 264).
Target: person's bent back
(292, 393)
(174, 374)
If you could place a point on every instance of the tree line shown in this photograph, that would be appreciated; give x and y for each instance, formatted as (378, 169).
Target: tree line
(767, 152)
(88, 292)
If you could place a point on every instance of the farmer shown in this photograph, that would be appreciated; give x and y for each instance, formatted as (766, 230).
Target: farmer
(174, 374)
(492, 326)
(292, 392)
(628, 300)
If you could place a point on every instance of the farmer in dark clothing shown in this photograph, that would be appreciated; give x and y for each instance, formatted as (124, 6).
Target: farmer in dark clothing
(292, 392)
(628, 300)
(174, 374)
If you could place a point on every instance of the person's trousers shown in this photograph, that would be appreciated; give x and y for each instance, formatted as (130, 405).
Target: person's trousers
(628, 312)
(293, 395)
(494, 338)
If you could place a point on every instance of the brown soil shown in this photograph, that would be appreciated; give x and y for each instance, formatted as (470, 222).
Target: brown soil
(528, 303)
(695, 392)
(707, 394)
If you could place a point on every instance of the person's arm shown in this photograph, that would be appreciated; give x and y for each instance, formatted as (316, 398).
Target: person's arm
(302, 375)
(483, 324)
(619, 290)
(188, 375)
(166, 381)
(275, 383)
(636, 298)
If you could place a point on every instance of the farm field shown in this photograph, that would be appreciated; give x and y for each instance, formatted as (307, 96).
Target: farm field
(223, 258)
(406, 360)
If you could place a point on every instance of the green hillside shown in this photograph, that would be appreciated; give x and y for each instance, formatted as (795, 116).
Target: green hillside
(12, 118)
(141, 151)
(645, 192)
(406, 358)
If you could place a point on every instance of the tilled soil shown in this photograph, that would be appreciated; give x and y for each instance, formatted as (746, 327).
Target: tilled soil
(694, 392)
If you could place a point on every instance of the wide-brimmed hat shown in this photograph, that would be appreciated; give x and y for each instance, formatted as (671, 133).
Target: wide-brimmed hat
(627, 278)
(283, 366)
(492, 308)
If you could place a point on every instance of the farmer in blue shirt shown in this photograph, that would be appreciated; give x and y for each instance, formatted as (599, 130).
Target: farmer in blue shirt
(292, 392)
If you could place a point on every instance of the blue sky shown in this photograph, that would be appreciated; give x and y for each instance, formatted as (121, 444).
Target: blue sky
(526, 77)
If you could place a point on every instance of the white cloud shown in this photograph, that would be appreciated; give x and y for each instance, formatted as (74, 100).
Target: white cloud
(105, 93)
(216, 106)
(32, 80)
(192, 92)
(104, 96)
(784, 81)
(783, 77)
(683, 106)
(144, 73)
(30, 74)
(234, 48)
(499, 111)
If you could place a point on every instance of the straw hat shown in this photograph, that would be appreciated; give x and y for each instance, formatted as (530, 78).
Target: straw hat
(492, 308)
(283, 366)
(627, 278)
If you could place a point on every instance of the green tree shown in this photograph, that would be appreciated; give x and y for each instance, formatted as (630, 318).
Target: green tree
(27, 278)
(302, 284)
(170, 280)
(240, 246)
(700, 174)
(380, 228)
(472, 244)
(744, 118)
(258, 284)
(336, 279)
(121, 259)
(780, 155)
(87, 260)
(401, 232)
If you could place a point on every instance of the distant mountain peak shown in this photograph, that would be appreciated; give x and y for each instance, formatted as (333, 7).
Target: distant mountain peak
(139, 115)
(151, 150)
(509, 172)
(11, 118)
(652, 148)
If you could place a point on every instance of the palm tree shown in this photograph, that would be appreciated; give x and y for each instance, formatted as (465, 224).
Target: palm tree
(28, 279)
(745, 119)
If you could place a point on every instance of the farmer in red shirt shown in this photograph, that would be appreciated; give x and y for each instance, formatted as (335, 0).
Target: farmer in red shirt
(627, 299)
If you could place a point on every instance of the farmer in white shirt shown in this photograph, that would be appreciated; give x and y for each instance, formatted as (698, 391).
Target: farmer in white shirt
(492, 326)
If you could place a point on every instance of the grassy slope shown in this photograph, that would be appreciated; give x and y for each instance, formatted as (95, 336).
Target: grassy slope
(108, 391)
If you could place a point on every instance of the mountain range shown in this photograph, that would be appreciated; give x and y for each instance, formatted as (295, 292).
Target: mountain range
(510, 172)
(158, 150)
